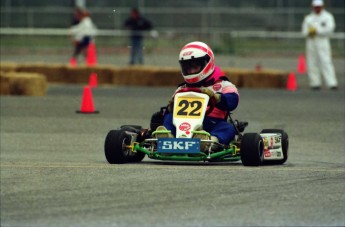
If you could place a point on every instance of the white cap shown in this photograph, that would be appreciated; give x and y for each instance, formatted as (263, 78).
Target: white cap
(317, 3)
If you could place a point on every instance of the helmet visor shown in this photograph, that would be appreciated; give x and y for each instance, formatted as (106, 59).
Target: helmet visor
(194, 65)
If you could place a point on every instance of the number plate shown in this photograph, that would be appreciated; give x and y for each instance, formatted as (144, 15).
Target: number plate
(189, 107)
(178, 146)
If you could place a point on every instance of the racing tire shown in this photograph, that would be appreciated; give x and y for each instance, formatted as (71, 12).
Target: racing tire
(114, 147)
(252, 149)
(138, 156)
(137, 127)
(285, 145)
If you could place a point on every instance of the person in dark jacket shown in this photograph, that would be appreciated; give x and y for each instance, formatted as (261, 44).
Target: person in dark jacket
(137, 24)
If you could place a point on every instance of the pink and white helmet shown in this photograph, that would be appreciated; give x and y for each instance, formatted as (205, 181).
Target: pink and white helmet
(196, 54)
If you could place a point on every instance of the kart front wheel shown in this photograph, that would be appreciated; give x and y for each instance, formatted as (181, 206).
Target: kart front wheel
(115, 147)
(252, 149)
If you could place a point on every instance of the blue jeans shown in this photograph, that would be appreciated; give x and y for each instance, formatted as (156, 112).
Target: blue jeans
(82, 45)
(223, 130)
(136, 50)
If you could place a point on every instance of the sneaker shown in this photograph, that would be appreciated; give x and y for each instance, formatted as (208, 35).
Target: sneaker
(162, 132)
(315, 88)
(202, 135)
(215, 145)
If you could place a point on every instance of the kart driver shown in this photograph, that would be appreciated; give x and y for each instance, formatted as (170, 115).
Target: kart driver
(199, 71)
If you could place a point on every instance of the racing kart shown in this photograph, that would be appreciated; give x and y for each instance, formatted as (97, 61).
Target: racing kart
(131, 143)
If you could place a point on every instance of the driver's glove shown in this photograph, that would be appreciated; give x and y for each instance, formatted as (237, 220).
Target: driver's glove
(211, 94)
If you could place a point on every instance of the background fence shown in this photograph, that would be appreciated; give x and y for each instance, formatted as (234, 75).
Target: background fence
(251, 27)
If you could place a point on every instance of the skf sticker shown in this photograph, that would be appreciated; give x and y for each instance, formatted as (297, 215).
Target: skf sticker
(178, 145)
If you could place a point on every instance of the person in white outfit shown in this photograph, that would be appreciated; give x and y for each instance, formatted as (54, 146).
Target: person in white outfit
(317, 27)
(82, 34)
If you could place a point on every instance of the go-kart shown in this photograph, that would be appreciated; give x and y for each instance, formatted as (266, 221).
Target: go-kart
(130, 143)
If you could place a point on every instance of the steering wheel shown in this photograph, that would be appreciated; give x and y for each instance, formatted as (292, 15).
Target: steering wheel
(211, 102)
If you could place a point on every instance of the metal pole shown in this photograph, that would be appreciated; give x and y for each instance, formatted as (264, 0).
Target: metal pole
(8, 13)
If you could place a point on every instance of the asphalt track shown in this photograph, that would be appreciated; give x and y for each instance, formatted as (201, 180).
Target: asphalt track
(53, 170)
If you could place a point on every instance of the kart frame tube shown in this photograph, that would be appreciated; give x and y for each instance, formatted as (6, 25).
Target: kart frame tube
(232, 151)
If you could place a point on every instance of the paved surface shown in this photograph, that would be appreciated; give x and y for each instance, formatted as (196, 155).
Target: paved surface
(53, 170)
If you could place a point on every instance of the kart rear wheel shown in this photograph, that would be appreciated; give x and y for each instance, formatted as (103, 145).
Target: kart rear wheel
(115, 147)
(285, 145)
(252, 149)
(137, 127)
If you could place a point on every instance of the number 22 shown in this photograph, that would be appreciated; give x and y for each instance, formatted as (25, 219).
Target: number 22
(195, 105)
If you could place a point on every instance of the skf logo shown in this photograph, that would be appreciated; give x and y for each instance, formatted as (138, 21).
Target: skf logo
(178, 145)
(187, 53)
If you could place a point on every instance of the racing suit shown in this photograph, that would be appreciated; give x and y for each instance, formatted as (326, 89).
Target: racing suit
(215, 122)
(318, 48)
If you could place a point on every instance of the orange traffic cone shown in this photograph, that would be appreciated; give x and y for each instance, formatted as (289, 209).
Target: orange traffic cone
(93, 80)
(87, 105)
(301, 66)
(258, 67)
(91, 58)
(291, 84)
(73, 62)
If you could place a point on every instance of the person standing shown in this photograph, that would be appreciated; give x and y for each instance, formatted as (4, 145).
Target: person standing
(82, 34)
(317, 27)
(137, 24)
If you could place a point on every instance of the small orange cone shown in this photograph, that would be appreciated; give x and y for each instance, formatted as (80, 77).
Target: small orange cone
(93, 80)
(301, 66)
(91, 58)
(73, 62)
(258, 67)
(87, 105)
(291, 84)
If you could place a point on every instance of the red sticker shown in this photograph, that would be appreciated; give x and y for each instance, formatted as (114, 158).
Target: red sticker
(217, 87)
(267, 153)
(185, 126)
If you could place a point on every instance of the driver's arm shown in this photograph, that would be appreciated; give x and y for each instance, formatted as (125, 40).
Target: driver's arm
(229, 98)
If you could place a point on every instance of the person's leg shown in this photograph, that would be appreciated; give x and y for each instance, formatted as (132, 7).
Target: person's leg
(168, 123)
(77, 50)
(84, 45)
(223, 130)
(133, 49)
(140, 50)
(313, 65)
(327, 68)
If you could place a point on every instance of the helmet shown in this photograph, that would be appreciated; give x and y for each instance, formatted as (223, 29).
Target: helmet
(196, 61)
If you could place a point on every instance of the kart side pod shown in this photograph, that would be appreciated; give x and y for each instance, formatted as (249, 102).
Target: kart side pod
(269, 147)
(276, 145)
